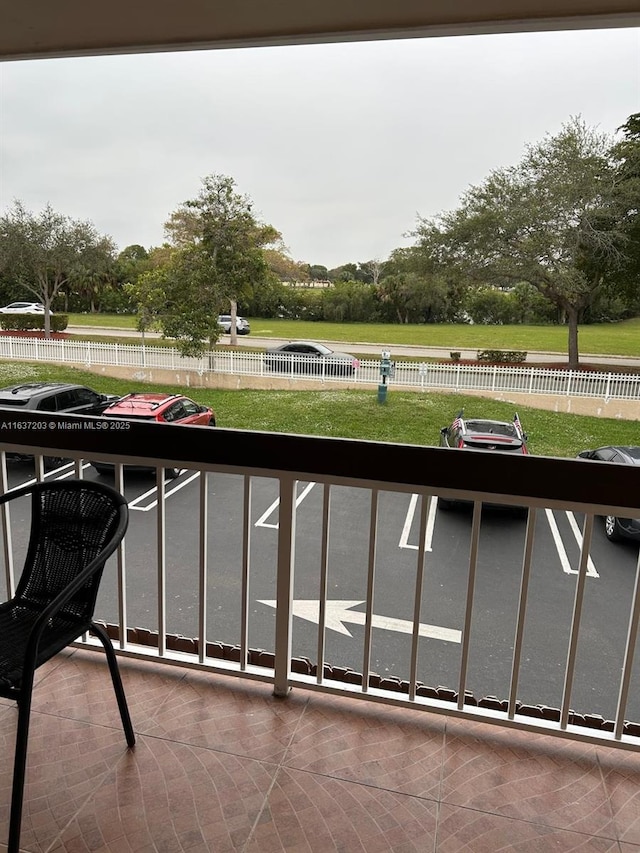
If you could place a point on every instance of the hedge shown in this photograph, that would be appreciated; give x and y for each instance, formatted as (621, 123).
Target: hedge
(30, 322)
(499, 356)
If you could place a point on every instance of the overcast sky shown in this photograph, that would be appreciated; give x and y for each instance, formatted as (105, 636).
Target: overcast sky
(339, 146)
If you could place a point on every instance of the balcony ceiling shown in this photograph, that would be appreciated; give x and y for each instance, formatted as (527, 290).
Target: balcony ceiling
(41, 28)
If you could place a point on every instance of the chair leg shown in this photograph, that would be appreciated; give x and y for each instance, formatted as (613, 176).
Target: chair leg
(19, 769)
(117, 682)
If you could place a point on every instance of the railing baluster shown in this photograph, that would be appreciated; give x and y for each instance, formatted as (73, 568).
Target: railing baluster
(425, 506)
(121, 567)
(522, 610)
(246, 556)
(371, 570)
(575, 621)
(632, 637)
(161, 562)
(468, 614)
(324, 567)
(284, 583)
(203, 565)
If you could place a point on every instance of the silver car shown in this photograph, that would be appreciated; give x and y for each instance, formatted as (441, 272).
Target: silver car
(242, 325)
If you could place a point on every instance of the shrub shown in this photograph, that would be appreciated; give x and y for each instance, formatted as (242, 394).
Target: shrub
(33, 322)
(499, 356)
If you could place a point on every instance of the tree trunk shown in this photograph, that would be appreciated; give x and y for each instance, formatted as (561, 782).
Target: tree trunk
(233, 331)
(572, 323)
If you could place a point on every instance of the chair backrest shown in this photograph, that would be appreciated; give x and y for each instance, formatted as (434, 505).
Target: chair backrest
(72, 523)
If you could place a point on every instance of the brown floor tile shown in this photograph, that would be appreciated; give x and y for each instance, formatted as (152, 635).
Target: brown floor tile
(170, 797)
(463, 830)
(532, 777)
(307, 813)
(621, 772)
(356, 777)
(66, 761)
(371, 744)
(225, 713)
(82, 689)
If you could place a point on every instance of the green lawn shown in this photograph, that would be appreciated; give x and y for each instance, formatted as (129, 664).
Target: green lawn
(606, 339)
(407, 417)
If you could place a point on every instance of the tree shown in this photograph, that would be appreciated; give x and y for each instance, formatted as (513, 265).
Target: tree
(45, 251)
(221, 223)
(626, 158)
(550, 221)
(283, 266)
(178, 296)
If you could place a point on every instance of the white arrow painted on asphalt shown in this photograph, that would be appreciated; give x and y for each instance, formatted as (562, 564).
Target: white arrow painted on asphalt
(339, 612)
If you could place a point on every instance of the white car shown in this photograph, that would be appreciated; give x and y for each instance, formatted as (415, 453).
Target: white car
(242, 325)
(23, 308)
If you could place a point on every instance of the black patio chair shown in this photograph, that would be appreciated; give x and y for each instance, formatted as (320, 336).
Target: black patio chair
(75, 526)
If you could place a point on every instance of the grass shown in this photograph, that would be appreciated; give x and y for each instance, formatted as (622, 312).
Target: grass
(604, 339)
(406, 418)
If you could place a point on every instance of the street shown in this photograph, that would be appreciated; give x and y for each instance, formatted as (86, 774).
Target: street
(374, 350)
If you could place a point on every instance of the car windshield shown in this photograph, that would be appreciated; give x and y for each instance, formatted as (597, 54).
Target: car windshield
(322, 349)
(489, 427)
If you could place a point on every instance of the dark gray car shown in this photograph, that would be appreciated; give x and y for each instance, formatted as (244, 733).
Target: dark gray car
(617, 528)
(310, 357)
(51, 397)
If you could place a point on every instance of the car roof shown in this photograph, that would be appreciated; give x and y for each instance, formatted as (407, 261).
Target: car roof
(32, 389)
(146, 400)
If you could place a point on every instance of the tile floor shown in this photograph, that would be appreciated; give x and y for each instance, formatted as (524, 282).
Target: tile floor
(220, 765)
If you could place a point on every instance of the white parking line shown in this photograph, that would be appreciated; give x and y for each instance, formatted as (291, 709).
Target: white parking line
(261, 522)
(408, 522)
(168, 492)
(562, 554)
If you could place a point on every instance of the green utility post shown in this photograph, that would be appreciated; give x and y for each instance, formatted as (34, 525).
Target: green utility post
(386, 370)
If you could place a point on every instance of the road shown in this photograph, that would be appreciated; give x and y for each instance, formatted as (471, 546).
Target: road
(374, 350)
(609, 585)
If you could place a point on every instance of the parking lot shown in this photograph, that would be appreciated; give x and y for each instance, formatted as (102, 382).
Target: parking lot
(610, 577)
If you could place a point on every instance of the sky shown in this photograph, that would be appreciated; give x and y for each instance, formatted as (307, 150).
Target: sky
(340, 146)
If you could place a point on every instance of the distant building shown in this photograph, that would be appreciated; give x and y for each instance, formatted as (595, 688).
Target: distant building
(312, 283)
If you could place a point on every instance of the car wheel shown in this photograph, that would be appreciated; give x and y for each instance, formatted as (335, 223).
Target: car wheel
(212, 421)
(612, 528)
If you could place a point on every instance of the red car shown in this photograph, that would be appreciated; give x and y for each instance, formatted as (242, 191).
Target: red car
(162, 408)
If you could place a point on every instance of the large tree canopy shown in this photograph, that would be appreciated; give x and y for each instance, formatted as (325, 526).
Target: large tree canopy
(553, 220)
(42, 252)
(626, 154)
(215, 257)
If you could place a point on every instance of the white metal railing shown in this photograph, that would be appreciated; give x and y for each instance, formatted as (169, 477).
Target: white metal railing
(423, 375)
(235, 585)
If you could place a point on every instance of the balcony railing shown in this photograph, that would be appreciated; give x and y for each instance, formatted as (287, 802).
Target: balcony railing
(324, 564)
(409, 374)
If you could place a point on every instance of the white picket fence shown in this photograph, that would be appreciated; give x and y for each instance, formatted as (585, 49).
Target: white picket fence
(409, 374)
